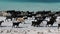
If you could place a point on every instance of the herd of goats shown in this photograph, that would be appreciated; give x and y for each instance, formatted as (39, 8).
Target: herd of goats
(39, 16)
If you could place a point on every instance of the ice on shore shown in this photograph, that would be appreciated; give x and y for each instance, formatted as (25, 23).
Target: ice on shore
(27, 28)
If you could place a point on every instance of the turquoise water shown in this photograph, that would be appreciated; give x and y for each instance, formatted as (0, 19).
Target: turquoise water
(29, 6)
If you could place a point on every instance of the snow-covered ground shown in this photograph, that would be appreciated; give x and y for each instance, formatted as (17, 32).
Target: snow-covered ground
(27, 28)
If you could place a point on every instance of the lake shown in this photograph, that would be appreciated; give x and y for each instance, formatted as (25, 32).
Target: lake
(31, 6)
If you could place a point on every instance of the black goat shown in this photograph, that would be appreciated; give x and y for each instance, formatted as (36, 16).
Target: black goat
(1, 22)
(16, 24)
(52, 20)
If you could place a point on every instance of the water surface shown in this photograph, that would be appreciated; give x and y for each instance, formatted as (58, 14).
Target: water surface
(31, 6)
